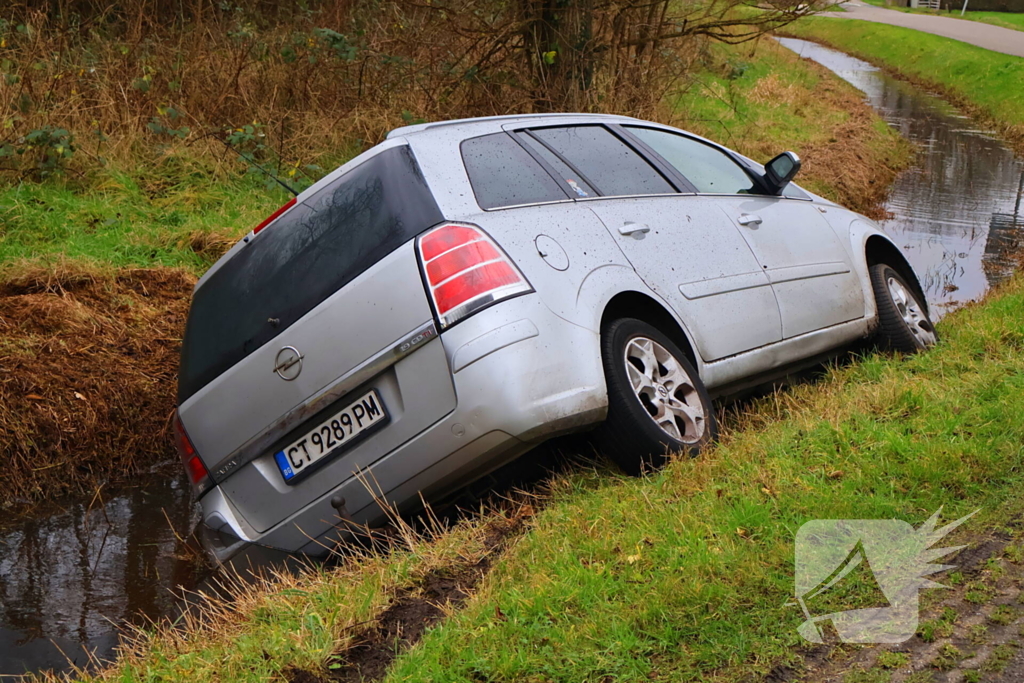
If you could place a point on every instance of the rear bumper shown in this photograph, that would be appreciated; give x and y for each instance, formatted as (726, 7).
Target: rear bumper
(521, 375)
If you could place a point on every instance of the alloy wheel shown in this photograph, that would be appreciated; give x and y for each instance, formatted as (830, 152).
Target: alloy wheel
(664, 389)
(910, 310)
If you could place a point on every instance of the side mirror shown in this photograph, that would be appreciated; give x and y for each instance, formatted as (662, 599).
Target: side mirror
(780, 170)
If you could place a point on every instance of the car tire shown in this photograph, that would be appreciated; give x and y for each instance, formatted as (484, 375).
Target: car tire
(650, 380)
(903, 322)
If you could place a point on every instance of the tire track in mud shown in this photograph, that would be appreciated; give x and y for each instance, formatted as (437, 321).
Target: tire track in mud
(415, 609)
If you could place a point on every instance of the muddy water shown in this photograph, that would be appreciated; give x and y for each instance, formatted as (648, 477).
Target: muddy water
(957, 213)
(71, 576)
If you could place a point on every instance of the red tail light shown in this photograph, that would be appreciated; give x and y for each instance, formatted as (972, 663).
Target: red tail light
(272, 217)
(194, 466)
(466, 271)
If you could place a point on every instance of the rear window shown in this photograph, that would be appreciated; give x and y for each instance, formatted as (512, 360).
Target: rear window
(503, 174)
(610, 166)
(301, 259)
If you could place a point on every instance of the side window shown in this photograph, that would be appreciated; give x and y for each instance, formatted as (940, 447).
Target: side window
(503, 174)
(708, 169)
(610, 166)
(575, 185)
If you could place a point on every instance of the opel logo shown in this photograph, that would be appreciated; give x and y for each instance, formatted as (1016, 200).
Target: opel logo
(288, 363)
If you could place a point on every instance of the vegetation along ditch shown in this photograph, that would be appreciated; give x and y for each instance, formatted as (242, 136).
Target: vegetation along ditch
(109, 219)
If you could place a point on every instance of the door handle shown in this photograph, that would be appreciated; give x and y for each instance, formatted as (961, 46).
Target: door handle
(635, 230)
(749, 219)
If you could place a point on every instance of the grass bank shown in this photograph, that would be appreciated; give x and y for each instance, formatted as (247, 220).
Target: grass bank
(173, 213)
(987, 84)
(679, 576)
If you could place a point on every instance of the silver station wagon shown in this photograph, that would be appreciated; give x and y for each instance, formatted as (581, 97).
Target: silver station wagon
(468, 289)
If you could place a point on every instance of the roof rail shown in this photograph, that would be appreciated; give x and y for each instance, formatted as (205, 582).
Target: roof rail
(408, 130)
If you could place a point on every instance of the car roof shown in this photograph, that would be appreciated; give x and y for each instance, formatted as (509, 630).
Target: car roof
(498, 122)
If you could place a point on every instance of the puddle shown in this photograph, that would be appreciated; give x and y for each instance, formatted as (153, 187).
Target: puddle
(71, 576)
(957, 214)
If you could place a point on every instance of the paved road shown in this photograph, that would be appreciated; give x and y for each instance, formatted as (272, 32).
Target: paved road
(990, 37)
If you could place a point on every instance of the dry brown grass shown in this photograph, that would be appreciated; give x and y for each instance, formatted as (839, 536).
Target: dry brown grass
(131, 79)
(89, 362)
(107, 82)
(310, 82)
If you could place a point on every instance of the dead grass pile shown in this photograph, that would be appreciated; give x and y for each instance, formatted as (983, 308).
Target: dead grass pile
(859, 171)
(88, 364)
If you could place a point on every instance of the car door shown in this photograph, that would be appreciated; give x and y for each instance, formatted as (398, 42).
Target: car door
(810, 271)
(683, 248)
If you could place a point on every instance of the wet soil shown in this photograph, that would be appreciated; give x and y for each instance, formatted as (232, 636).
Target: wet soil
(413, 610)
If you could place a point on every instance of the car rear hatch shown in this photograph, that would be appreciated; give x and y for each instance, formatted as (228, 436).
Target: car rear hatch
(322, 310)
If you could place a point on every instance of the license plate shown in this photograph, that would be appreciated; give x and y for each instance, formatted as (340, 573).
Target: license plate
(337, 432)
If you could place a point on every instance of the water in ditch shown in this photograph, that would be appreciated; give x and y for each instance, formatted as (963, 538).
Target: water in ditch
(73, 575)
(958, 213)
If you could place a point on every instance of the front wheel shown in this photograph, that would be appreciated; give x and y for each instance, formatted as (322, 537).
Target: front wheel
(903, 324)
(657, 404)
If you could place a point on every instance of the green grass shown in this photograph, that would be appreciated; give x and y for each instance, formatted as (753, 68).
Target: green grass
(685, 574)
(733, 100)
(1014, 20)
(989, 82)
(893, 660)
(161, 216)
(689, 572)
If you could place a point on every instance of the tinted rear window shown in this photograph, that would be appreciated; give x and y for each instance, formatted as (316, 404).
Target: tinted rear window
(610, 165)
(503, 174)
(301, 259)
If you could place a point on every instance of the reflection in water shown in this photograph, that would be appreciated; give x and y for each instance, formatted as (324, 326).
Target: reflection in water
(70, 579)
(957, 213)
